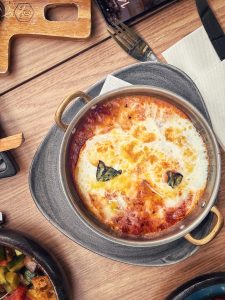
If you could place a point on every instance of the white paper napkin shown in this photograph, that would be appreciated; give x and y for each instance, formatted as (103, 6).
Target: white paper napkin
(112, 83)
(196, 56)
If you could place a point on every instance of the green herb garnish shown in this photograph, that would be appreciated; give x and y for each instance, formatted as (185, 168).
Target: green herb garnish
(105, 173)
(174, 179)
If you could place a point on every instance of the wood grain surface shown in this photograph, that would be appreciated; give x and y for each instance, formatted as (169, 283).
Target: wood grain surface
(32, 56)
(30, 107)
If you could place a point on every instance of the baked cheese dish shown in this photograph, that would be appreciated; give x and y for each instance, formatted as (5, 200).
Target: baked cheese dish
(138, 164)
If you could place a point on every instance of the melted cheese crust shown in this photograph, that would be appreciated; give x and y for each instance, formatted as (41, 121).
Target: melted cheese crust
(145, 137)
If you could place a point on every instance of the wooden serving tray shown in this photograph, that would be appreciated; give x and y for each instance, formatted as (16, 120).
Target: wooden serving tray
(27, 17)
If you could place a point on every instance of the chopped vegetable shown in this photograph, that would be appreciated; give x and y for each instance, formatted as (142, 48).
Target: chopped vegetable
(2, 275)
(17, 263)
(30, 264)
(105, 173)
(12, 279)
(174, 179)
(42, 289)
(9, 254)
(18, 294)
(18, 253)
(8, 288)
(2, 253)
(3, 263)
(21, 278)
(28, 276)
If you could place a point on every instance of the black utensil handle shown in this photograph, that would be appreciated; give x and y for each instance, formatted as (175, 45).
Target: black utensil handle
(212, 27)
(8, 166)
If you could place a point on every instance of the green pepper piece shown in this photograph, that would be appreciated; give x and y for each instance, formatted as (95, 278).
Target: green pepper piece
(2, 253)
(28, 276)
(16, 264)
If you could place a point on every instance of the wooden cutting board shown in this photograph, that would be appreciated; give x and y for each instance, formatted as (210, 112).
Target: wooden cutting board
(27, 17)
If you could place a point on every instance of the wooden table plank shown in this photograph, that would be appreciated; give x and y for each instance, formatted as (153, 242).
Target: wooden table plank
(42, 54)
(32, 56)
(30, 108)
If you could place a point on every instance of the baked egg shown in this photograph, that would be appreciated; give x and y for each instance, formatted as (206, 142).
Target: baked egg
(139, 164)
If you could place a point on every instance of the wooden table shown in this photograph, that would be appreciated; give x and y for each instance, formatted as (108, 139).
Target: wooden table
(43, 72)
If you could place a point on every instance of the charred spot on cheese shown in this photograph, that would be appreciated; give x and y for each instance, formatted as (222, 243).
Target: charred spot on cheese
(160, 152)
(174, 179)
(105, 173)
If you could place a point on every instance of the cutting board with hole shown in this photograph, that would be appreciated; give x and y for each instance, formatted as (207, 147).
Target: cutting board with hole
(28, 17)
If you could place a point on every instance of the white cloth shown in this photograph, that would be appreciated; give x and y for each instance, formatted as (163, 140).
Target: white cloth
(195, 55)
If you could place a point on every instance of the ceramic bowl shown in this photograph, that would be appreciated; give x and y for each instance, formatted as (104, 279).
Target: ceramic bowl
(49, 264)
(205, 287)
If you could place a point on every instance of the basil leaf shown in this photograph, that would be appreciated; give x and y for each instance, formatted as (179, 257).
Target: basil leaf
(105, 173)
(174, 179)
(100, 170)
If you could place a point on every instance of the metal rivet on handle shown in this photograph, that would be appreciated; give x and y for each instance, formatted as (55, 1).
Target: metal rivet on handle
(203, 204)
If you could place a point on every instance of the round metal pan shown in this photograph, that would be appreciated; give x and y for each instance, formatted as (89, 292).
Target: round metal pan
(203, 207)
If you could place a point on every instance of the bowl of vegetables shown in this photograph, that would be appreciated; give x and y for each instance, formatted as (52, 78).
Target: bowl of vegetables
(28, 271)
(205, 287)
